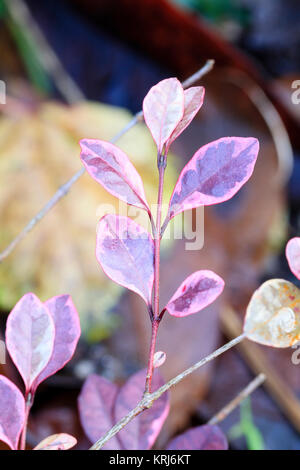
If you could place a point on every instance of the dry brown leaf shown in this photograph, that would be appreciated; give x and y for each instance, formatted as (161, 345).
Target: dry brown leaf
(273, 314)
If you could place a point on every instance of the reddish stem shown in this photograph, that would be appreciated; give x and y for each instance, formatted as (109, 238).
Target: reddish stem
(157, 242)
(155, 324)
(156, 320)
(28, 405)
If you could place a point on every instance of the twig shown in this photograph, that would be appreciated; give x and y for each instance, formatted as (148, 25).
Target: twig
(21, 15)
(64, 189)
(148, 399)
(199, 74)
(224, 412)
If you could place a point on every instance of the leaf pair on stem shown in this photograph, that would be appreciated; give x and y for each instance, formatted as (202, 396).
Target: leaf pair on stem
(40, 338)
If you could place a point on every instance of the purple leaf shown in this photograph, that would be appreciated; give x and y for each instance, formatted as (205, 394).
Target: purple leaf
(293, 255)
(95, 403)
(30, 336)
(57, 442)
(215, 173)
(125, 251)
(198, 291)
(163, 109)
(142, 431)
(205, 437)
(12, 413)
(67, 333)
(111, 167)
(193, 100)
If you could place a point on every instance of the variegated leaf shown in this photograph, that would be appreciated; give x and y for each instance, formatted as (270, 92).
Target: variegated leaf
(125, 251)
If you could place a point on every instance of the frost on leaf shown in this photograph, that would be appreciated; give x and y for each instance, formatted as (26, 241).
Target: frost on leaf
(198, 291)
(193, 100)
(67, 333)
(111, 167)
(30, 334)
(273, 314)
(163, 109)
(125, 251)
(214, 174)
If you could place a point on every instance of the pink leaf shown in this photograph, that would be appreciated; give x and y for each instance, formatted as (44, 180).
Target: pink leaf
(111, 167)
(67, 333)
(205, 437)
(12, 413)
(30, 336)
(95, 404)
(125, 251)
(163, 108)
(193, 100)
(57, 442)
(142, 431)
(198, 291)
(293, 255)
(215, 173)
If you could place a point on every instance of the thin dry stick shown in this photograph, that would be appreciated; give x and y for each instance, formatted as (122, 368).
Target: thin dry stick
(65, 188)
(224, 412)
(148, 399)
(21, 15)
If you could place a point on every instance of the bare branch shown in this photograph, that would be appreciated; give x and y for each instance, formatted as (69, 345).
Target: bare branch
(199, 74)
(224, 412)
(21, 15)
(148, 399)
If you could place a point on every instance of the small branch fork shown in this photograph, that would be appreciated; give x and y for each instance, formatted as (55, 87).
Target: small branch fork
(65, 188)
(149, 398)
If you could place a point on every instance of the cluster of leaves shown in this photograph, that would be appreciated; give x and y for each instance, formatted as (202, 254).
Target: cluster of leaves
(214, 174)
(40, 338)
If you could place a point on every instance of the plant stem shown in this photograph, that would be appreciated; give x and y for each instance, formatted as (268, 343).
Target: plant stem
(28, 405)
(157, 241)
(161, 163)
(148, 399)
(155, 324)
